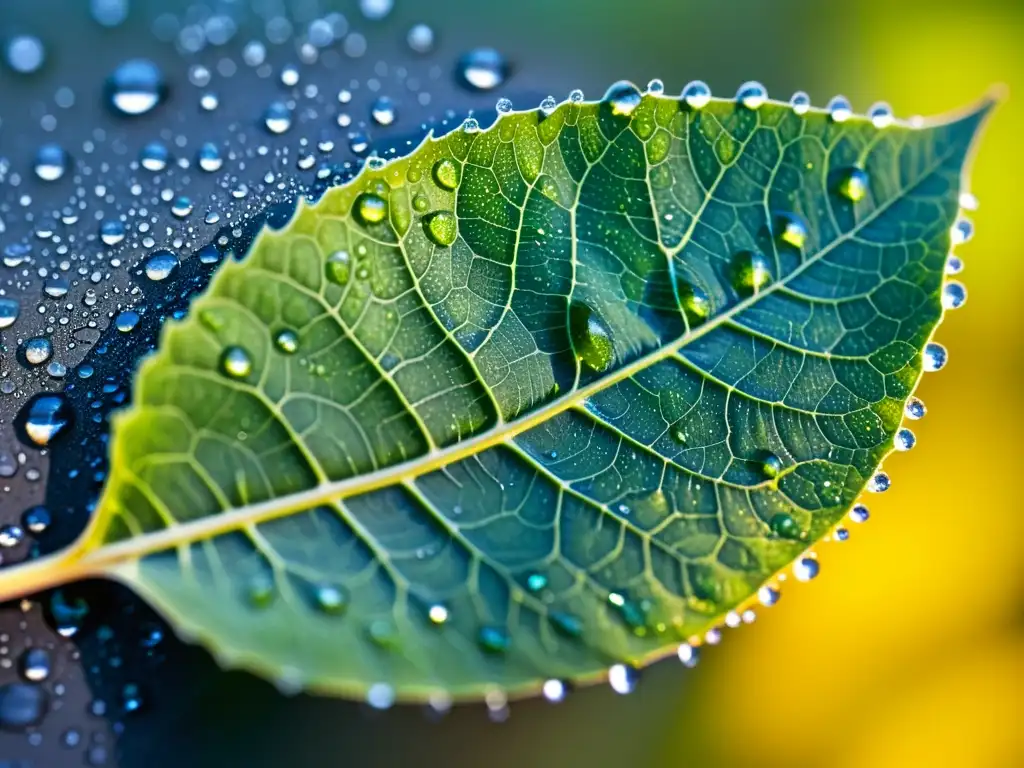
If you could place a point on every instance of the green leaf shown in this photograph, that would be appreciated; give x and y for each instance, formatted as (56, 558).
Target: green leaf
(535, 400)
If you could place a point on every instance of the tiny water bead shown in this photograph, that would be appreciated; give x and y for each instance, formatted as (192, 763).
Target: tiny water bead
(44, 417)
(442, 228)
(380, 696)
(954, 294)
(800, 103)
(135, 87)
(481, 69)
(154, 157)
(277, 118)
(160, 264)
(503, 106)
(338, 267)
(383, 111)
(112, 232)
(446, 174)
(656, 86)
(954, 265)
(235, 362)
(839, 109)
(963, 230)
(752, 94)
(881, 115)
(35, 665)
(331, 599)
(879, 483)
(553, 690)
(785, 527)
(914, 409)
(287, 341)
(750, 271)
(622, 97)
(934, 357)
(623, 678)
(9, 311)
(420, 38)
(371, 208)
(126, 321)
(689, 655)
(696, 94)
(438, 614)
(904, 439)
(51, 162)
(36, 520)
(209, 157)
(771, 465)
(536, 582)
(260, 591)
(11, 536)
(853, 184)
(37, 350)
(25, 54)
(806, 568)
(493, 639)
(859, 513)
(768, 596)
(591, 337)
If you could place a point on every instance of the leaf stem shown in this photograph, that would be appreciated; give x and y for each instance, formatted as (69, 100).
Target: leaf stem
(43, 573)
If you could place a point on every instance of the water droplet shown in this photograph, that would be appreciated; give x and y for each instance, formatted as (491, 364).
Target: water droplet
(380, 695)
(688, 655)
(768, 596)
(904, 439)
(37, 350)
(493, 639)
(111, 232)
(879, 483)
(154, 157)
(841, 534)
(287, 341)
(566, 624)
(503, 106)
(67, 617)
(209, 157)
(954, 294)
(853, 185)
(481, 69)
(575, 96)
(535, 582)
(11, 535)
(963, 230)
(934, 357)
(331, 599)
(36, 520)
(446, 174)
(553, 690)
(383, 111)
(750, 271)
(771, 465)
(442, 228)
(806, 568)
(656, 86)
(260, 591)
(438, 614)
(914, 409)
(881, 115)
(752, 94)
(51, 162)
(22, 705)
(235, 362)
(126, 321)
(791, 230)
(371, 208)
(277, 118)
(622, 97)
(182, 207)
(339, 267)
(160, 264)
(131, 699)
(209, 102)
(859, 513)
(9, 311)
(34, 665)
(420, 38)
(839, 109)
(591, 337)
(784, 526)
(375, 10)
(800, 103)
(135, 87)
(696, 94)
(954, 265)
(623, 678)
(25, 54)
(109, 13)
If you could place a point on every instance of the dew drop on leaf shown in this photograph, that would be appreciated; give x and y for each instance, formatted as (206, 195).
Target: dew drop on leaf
(880, 115)
(771, 465)
(235, 363)
(380, 696)
(859, 513)
(806, 568)
(126, 321)
(695, 302)
(622, 98)
(784, 526)
(791, 230)
(446, 174)
(752, 94)
(441, 227)
(330, 598)
(768, 596)
(915, 409)
(879, 483)
(535, 582)
(566, 624)
(338, 267)
(934, 357)
(904, 439)
(688, 655)
(383, 111)
(493, 639)
(34, 665)
(277, 118)
(623, 678)
(591, 337)
(9, 311)
(553, 690)
(800, 103)
(954, 294)
(154, 157)
(853, 185)
(371, 208)
(287, 341)
(750, 271)
(51, 162)
(209, 157)
(260, 591)
(839, 109)
(696, 94)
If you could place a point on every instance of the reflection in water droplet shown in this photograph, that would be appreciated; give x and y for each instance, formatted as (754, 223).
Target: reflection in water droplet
(126, 321)
(853, 185)
(954, 294)
(209, 157)
(380, 696)
(963, 230)
(111, 232)
(806, 568)
(135, 87)
(622, 97)
(287, 341)
(752, 94)
(880, 114)
(695, 302)
(160, 265)
(696, 94)
(914, 409)
(182, 207)
(750, 271)
(36, 520)
(503, 106)
(260, 591)
(934, 357)
(44, 417)
(481, 69)
(623, 678)
(235, 362)
(441, 227)
(591, 337)
(879, 483)
(771, 465)
(11, 535)
(656, 86)
(371, 208)
(446, 174)
(904, 439)
(791, 230)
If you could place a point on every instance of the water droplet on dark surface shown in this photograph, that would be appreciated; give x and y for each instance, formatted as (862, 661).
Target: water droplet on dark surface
(135, 87)
(482, 69)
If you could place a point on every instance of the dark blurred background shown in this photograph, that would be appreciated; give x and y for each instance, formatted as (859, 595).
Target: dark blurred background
(906, 651)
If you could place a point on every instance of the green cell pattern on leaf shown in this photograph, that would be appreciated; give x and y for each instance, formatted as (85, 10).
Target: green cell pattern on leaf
(537, 399)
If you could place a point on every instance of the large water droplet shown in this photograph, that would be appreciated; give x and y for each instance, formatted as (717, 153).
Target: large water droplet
(36, 520)
(752, 94)
(338, 267)
(34, 665)
(839, 109)
(881, 115)
(481, 69)
(51, 162)
(371, 208)
(853, 184)
(800, 103)
(126, 321)
(696, 94)
(277, 118)
(160, 264)
(154, 156)
(441, 227)
(287, 341)
(209, 157)
(622, 97)
(591, 337)
(623, 678)
(446, 174)
(22, 705)
(235, 362)
(37, 350)
(44, 417)
(750, 271)
(879, 483)
(111, 232)
(904, 439)
(9, 311)
(383, 111)
(771, 465)
(915, 409)
(934, 357)
(135, 87)
(790, 230)
(954, 294)
(695, 302)
(859, 513)
(806, 568)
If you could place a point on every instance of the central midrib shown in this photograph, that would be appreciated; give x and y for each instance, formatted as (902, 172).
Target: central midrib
(103, 559)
